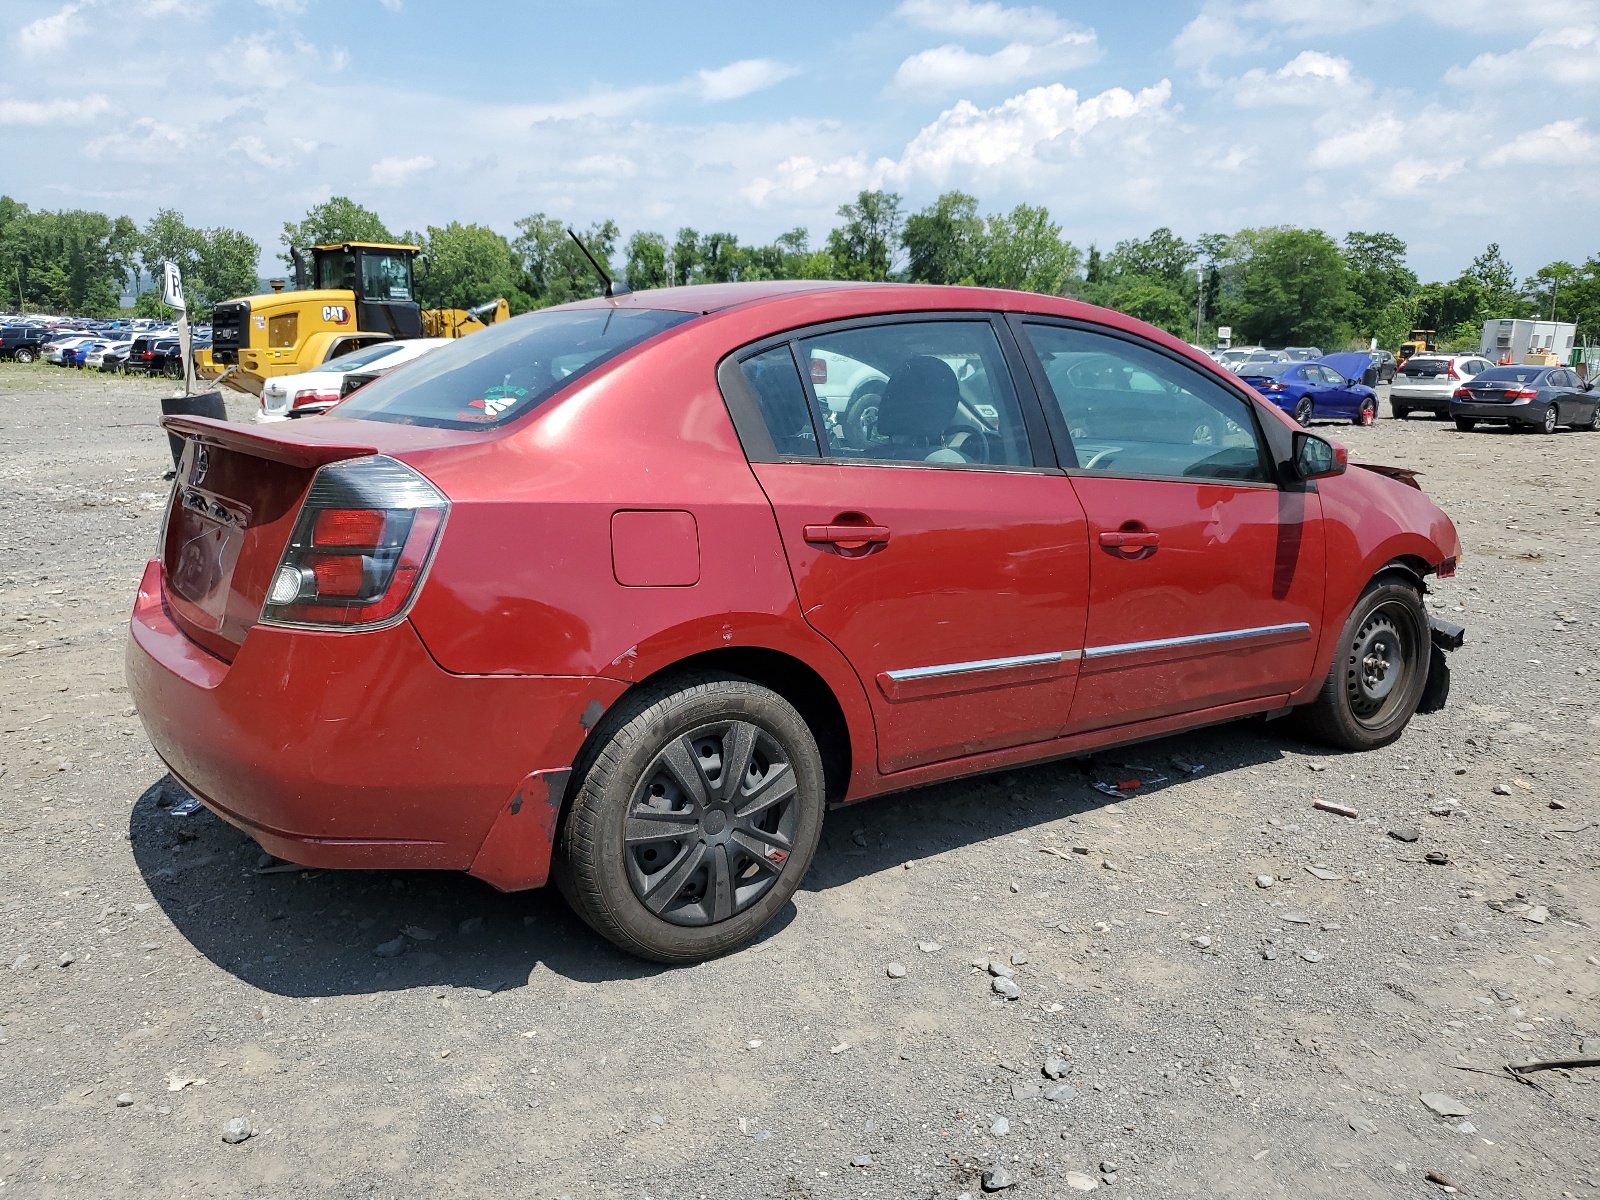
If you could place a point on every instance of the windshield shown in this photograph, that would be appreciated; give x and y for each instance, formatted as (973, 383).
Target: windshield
(336, 271)
(488, 378)
(360, 358)
(1509, 375)
(385, 276)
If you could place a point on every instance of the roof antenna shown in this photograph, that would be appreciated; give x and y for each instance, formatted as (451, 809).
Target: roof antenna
(612, 289)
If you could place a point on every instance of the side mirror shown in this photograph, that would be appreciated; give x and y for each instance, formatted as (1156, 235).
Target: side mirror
(1318, 458)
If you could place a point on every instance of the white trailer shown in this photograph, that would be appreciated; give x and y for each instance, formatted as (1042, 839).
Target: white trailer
(1511, 342)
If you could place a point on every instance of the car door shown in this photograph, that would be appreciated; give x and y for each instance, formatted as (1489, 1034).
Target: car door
(1206, 579)
(946, 557)
(1338, 396)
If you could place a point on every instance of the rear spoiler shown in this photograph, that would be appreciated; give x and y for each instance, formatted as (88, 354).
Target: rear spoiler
(284, 447)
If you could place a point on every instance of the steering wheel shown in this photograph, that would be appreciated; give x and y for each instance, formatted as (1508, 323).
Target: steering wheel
(974, 437)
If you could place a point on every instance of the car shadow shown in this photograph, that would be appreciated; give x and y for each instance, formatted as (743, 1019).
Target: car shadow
(300, 933)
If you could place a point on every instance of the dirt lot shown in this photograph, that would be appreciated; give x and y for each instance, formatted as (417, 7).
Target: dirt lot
(1219, 1038)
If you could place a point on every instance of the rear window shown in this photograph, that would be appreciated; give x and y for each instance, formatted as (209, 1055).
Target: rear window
(1509, 375)
(1426, 366)
(488, 378)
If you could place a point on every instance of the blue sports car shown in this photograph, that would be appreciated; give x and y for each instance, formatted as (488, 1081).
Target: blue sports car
(1330, 387)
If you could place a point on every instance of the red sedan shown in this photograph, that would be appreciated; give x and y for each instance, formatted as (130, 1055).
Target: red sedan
(609, 592)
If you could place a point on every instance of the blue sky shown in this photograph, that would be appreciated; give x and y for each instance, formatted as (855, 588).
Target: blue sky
(1449, 122)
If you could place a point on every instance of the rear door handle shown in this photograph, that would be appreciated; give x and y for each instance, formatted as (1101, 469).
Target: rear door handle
(847, 537)
(1130, 540)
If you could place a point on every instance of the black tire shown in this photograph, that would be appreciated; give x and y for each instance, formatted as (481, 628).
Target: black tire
(1466, 424)
(24, 355)
(1550, 420)
(861, 416)
(655, 765)
(1399, 411)
(1593, 425)
(172, 370)
(1304, 410)
(1367, 414)
(1379, 670)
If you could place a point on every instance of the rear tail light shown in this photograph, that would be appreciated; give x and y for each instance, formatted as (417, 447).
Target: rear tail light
(1462, 394)
(314, 396)
(1524, 394)
(1450, 371)
(360, 547)
(819, 370)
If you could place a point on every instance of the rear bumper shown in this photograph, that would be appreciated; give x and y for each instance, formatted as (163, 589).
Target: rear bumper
(1419, 401)
(358, 750)
(1525, 412)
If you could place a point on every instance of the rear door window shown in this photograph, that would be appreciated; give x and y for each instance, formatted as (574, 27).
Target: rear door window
(780, 397)
(936, 392)
(1192, 428)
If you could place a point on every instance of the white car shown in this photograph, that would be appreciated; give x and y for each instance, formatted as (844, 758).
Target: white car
(57, 349)
(117, 351)
(316, 391)
(1425, 382)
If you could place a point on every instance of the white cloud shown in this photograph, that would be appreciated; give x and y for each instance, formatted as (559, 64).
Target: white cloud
(1564, 56)
(606, 166)
(146, 141)
(1007, 137)
(1310, 78)
(393, 5)
(962, 18)
(802, 179)
(947, 69)
(261, 61)
(1556, 144)
(1381, 137)
(394, 170)
(49, 34)
(742, 78)
(52, 112)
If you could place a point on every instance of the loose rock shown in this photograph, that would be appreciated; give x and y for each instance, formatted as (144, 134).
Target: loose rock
(997, 1179)
(1362, 1125)
(1500, 789)
(1079, 1182)
(1445, 1106)
(1264, 881)
(1026, 1089)
(928, 947)
(125, 1100)
(861, 1160)
(1019, 958)
(1060, 1093)
(1000, 970)
(1007, 988)
(1000, 1128)
(236, 1131)
(391, 949)
(1057, 1068)
(896, 970)
(1405, 834)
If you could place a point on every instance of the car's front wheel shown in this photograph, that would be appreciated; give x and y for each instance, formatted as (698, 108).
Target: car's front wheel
(1367, 414)
(694, 817)
(1379, 670)
(1594, 420)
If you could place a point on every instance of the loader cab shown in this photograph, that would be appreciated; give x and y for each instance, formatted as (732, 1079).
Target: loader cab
(380, 276)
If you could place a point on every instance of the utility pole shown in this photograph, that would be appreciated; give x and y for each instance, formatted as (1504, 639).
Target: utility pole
(1199, 301)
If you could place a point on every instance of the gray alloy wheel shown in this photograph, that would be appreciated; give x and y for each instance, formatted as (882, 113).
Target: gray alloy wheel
(861, 416)
(694, 814)
(24, 356)
(1303, 411)
(1548, 424)
(1594, 420)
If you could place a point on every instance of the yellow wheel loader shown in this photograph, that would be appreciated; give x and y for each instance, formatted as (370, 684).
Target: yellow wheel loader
(358, 293)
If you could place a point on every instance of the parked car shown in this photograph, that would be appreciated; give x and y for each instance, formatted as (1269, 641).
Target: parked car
(1301, 353)
(1541, 398)
(286, 396)
(108, 356)
(59, 350)
(595, 589)
(1316, 390)
(1425, 382)
(21, 343)
(1383, 368)
(1257, 358)
(1235, 355)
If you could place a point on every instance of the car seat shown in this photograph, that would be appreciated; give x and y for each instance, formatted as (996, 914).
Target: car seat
(917, 415)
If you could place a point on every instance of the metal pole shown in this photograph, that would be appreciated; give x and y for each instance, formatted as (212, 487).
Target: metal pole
(1199, 301)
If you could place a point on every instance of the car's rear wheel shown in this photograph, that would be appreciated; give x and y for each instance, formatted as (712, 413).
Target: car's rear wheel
(24, 355)
(1379, 670)
(1547, 423)
(1303, 410)
(1367, 414)
(693, 819)
(1399, 411)
(861, 416)
(1466, 424)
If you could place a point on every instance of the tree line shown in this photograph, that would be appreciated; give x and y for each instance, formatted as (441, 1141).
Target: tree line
(1277, 285)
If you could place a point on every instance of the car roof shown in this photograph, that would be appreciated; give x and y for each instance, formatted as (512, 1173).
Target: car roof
(713, 297)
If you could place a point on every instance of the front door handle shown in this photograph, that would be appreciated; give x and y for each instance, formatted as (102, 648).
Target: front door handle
(847, 537)
(1130, 539)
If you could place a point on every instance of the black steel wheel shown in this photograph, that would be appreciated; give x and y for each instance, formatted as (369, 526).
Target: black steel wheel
(1378, 672)
(1303, 411)
(1547, 423)
(693, 820)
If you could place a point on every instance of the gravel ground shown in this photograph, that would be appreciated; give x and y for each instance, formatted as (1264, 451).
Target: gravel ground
(1218, 1037)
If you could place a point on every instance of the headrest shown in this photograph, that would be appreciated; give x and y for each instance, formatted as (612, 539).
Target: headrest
(920, 399)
